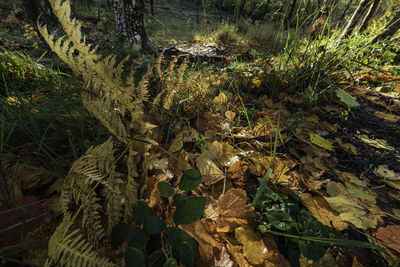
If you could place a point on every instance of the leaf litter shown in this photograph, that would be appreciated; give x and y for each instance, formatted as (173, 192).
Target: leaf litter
(343, 165)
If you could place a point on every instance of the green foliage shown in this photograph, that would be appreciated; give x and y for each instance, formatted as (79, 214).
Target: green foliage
(166, 190)
(140, 240)
(190, 180)
(188, 209)
(282, 213)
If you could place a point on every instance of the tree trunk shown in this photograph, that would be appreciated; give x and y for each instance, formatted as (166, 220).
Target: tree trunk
(345, 10)
(129, 21)
(152, 7)
(369, 15)
(391, 28)
(354, 18)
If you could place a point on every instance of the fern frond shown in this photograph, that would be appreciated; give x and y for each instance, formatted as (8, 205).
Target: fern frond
(69, 248)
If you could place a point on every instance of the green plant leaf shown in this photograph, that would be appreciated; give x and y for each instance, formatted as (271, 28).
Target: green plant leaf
(186, 254)
(190, 180)
(176, 236)
(119, 234)
(137, 239)
(178, 198)
(279, 218)
(171, 262)
(140, 211)
(157, 258)
(189, 209)
(311, 250)
(154, 225)
(134, 258)
(165, 189)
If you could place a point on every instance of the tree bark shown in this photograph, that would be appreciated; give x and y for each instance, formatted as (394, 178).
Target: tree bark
(345, 10)
(129, 22)
(354, 18)
(152, 7)
(369, 15)
(391, 28)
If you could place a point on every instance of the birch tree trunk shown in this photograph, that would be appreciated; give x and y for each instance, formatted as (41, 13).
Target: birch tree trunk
(354, 18)
(370, 14)
(129, 23)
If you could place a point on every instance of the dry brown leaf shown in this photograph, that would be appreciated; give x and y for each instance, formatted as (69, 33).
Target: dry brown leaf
(237, 255)
(187, 135)
(387, 116)
(224, 259)
(237, 172)
(234, 211)
(219, 152)
(389, 237)
(230, 115)
(321, 210)
(210, 173)
(207, 243)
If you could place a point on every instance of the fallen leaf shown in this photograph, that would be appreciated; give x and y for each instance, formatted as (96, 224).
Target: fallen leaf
(186, 135)
(207, 243)
(361, 192)
(320, 141)
(210, 172)
(384, 172)
(230, 115)
(347, 146)
(254, 248)
(378, 143)
(220, 152)
(347, 99)
(236, 253)
(237, 172)
(350, 208)
(321, 210)
(387, 116)
(234, 211)
(224, 259)
(389, 237)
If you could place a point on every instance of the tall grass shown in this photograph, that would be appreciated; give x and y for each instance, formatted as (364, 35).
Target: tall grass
(44, 125)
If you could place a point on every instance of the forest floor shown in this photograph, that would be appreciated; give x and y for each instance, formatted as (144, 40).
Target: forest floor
(332, 144)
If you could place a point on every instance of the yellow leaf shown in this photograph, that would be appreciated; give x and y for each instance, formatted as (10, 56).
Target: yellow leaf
(349, 207)
(221, 99)
(378, 143)
(320, 141)
(254, 248)
(321, 210)
(385, 172)
(256, 82)
(230, 115)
